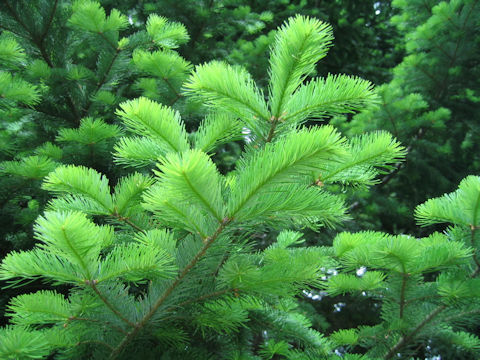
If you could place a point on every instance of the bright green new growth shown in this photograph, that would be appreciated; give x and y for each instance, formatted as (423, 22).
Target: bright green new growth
(298, 46)
(171, 259)
(166, 34)
(90, 131)
(460, 208)
(90, 15)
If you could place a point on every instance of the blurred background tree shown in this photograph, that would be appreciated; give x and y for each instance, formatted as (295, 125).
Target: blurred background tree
(431, 105)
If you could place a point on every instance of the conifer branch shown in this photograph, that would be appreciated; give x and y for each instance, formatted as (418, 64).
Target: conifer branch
(136, 227)
(194, 224)
(421, 131)
(192, 301)
(427, 297)
(476, 272)
(312, 107)
(390, 117)
(44, 112)
(462, 314)
(203, 297)
(404, 340)
(75, 252)
(201, 197)
(400, 165)
(455, 53)
(17, 18)
(11, 30)
(200, 30)
(472, 238)
(138, 326)
(439, 93)
(286, 80)
(93, 285)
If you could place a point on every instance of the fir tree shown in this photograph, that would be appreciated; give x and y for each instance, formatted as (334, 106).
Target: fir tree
(170, 261)
(165, 264)
(431, 105)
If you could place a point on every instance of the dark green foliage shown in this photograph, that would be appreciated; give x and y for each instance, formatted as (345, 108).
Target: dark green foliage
(431, 105)
(65, 72)
(64, 69)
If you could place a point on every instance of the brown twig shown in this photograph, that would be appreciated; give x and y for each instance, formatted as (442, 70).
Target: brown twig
(127, 221)
(138, 326)
(274, 121)
(177, 94)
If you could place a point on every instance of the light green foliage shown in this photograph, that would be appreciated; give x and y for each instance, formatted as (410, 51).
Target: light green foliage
(193, 174)
(229, 88)
(83, 183)
(10, 51)
(49, 150)
(370, 154)
(178, 258)
(53, 308)
(328, 96)
(90, 131)
(128, 191)
(162, 64)
(192, 250)
(345, 337)
(304, 155)
(20, 343)
(460, 208)
(168, 35)
(14, 89)
(147, 118)
(272, 348)
(414, 306)
(138, 151)
(217, 129)
(90, 15)
(297, 48)
(32, 167)
(71, 244)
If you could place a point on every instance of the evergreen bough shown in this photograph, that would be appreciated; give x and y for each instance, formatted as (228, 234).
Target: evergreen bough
(166, 265)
